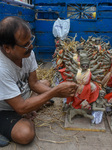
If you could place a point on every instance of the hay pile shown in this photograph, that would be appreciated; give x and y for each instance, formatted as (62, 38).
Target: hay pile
(43, 73)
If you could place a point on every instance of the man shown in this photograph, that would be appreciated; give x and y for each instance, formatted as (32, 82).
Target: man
(18, 78)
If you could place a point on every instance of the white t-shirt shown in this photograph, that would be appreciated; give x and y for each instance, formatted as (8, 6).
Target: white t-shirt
(13, 79)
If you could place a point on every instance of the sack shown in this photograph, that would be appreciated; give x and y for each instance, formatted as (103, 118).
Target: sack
(61, 28)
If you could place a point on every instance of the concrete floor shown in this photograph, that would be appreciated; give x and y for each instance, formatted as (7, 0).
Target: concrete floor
(50, 134)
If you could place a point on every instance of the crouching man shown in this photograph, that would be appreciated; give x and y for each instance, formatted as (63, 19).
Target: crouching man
(17, 80)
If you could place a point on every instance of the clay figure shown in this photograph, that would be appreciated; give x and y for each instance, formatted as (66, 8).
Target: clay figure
(98, 107)
(71, 113)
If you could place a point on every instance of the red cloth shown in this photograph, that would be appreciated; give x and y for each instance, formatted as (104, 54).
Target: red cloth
(86, 93)
(63, 76)
(108, 96)
(110, 82)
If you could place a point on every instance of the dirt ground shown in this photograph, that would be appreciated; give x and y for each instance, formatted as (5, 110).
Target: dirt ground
(50, 133)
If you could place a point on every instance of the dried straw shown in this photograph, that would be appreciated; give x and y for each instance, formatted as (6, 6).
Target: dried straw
(45, 74)
(53, 115)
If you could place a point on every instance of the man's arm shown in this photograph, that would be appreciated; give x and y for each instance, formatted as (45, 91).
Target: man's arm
(36, 85)
(21, 106)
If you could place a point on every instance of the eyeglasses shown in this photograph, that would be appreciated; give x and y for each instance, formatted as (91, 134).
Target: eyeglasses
(31, 42)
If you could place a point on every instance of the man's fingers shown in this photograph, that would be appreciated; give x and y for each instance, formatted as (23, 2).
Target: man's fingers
(74, 85)
(71, 95)
(34, 113)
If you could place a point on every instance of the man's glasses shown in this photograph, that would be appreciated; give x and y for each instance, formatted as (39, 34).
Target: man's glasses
(31, 42)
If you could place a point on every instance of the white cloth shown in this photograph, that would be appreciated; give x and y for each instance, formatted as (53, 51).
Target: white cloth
(98, 115)
(13, 79)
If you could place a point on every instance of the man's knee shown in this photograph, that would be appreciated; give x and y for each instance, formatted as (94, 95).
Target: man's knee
(23, 132)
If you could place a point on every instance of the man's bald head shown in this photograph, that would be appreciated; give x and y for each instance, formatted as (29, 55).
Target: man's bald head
(8, 28)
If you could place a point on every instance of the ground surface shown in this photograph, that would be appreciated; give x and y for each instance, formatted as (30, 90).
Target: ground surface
(51, 135)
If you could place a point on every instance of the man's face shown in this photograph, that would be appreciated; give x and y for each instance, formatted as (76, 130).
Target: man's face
(23, 46)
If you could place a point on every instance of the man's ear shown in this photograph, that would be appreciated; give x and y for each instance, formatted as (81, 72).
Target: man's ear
(7, 48)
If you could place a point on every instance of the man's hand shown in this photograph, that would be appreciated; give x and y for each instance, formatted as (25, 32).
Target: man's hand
(32, 115)
(66, 89)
